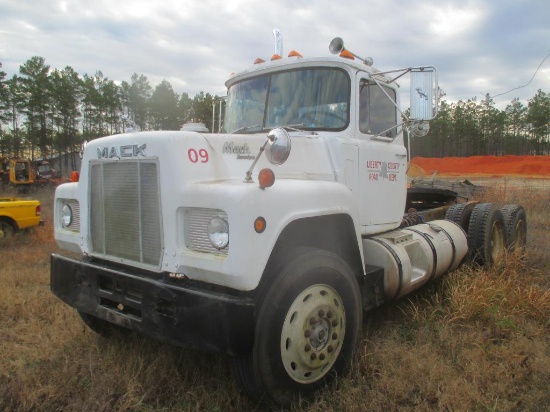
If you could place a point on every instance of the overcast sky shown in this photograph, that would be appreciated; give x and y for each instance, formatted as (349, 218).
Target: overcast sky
(478, 47)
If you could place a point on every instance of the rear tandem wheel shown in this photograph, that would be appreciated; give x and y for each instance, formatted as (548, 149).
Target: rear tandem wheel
(516, 227)
(487, 235)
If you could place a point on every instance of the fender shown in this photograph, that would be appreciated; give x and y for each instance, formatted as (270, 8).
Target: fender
(248, 257)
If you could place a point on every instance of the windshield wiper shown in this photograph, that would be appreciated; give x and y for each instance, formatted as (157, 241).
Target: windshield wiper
(297, 126)
(245, 128)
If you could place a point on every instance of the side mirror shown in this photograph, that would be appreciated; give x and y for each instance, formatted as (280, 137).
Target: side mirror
(278, 147)
(424, 93)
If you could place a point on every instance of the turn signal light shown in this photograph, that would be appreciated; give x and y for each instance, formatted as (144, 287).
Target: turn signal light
(259, 224)
(266, 178)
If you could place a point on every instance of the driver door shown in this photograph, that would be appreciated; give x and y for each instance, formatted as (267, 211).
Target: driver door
(382, 159)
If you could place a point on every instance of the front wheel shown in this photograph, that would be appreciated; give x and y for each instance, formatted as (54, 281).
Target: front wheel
(306, 331)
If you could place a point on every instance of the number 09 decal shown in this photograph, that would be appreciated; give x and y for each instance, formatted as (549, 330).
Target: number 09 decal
(197, 156)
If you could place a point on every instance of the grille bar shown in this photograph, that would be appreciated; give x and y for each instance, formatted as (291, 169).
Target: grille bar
(125, 211)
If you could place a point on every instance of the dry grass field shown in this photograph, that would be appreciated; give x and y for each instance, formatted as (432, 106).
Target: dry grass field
(474, 340)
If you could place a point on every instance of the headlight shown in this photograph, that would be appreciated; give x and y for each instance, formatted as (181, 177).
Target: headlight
(66, 216)
(218, 232)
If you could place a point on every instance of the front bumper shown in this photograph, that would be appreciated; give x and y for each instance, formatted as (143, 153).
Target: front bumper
(150, 304)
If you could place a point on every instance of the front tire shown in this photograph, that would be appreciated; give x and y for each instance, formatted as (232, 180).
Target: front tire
(307, 328)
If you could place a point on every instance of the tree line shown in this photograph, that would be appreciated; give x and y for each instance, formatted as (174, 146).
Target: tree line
(46, 112)
(472, 128)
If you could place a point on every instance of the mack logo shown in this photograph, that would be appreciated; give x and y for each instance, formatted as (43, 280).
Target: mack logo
(121, 151)
(231, 147)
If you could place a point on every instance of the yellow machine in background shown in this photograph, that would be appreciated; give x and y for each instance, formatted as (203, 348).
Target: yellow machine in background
(18, 172)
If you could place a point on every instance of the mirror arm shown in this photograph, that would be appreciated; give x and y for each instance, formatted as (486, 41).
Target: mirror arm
(389, 97)
(248, 178)
(381, 138)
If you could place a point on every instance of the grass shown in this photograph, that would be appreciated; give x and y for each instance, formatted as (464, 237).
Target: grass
(475, 340)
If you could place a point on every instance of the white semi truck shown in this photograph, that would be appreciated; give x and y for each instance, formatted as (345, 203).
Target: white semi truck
(269, 240)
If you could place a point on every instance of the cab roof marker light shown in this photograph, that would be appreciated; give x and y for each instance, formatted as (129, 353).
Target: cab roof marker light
(259, 61)
(294, 53)
(276, 57)
(346, 55)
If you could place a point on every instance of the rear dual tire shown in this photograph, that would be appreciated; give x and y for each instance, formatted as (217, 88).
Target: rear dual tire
(487, 235)
(515, 221)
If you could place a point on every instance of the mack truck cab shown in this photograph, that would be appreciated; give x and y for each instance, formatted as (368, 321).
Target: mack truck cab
(269, 240)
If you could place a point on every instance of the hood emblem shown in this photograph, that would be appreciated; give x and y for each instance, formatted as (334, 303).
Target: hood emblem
(121, 151)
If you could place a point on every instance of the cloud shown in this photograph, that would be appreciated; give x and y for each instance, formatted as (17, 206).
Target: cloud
(478, 47)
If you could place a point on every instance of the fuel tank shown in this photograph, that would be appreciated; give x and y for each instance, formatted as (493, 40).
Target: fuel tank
(414, 255)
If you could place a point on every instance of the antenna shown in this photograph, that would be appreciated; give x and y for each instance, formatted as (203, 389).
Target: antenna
(336, 46)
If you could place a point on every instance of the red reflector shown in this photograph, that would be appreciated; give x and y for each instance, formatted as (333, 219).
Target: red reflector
(38, 210)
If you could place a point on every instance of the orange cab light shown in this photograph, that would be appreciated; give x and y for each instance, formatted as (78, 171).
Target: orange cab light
(258, 61)
(347, 55)
(275, 57)
(266, 178)
(75, 176)
(259, 224)
(294, 53)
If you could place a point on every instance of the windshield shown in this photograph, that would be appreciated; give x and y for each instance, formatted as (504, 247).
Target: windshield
(312, 98)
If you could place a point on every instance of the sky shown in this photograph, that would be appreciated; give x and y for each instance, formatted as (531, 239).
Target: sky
(478, 47)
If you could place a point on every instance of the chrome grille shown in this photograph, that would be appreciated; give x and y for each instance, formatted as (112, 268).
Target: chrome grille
(196, 229)
(125, 221)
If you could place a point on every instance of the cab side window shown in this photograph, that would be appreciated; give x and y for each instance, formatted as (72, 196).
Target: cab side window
(377, 113)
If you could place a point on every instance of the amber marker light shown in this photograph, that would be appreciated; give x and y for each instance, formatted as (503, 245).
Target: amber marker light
(266, 178)
(259, 224)
(294, 53)
(347, 55)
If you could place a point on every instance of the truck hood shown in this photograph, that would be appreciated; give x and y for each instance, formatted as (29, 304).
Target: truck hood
(204, 157)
